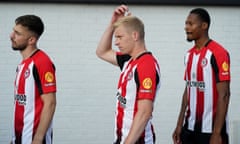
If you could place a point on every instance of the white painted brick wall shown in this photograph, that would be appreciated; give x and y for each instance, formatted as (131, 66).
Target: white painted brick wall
(86, 85)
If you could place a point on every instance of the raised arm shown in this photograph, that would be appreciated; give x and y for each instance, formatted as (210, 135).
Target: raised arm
(104, 49)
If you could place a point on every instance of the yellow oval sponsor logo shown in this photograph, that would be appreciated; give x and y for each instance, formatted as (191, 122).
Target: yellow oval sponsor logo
(225, 66)
(147, 83)
(49, 77)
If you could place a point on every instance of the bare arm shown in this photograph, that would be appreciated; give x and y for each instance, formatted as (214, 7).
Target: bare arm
(177, 131)
(48, 110)
(104, 49)
(223, 89)
(144, 113)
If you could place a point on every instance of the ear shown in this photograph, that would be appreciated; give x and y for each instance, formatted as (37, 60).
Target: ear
(32, 40)
(204, 25)
(135, 35)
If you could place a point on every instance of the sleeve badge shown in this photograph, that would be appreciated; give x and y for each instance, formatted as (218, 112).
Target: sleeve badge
(147, 83)
(225, 66)
(49, 77)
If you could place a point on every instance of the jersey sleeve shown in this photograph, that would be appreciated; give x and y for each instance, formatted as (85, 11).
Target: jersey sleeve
(45, 76)
(148, 78)
(221, 65)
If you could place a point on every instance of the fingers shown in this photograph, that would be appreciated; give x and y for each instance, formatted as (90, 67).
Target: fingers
(129, 13)
(176, 139)
(121, 10)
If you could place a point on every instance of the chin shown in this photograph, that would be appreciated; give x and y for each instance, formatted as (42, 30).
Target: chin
(189, 40)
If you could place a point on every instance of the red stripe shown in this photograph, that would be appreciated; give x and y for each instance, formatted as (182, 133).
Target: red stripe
(19, 109)
(187, 78)
(122, 84)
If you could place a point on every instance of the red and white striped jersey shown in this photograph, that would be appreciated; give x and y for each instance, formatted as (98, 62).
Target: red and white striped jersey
(139, 79)
(34, 76)
(204, 69)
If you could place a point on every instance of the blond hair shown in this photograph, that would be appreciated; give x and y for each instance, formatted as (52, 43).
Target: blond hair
(131, 23)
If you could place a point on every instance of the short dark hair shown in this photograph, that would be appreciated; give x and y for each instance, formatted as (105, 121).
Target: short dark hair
(203, 15)
(32, 22)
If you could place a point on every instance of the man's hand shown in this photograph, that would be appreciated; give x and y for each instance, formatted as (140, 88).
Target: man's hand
(176, 135)
(36, 141)
(216, 139)
(119, 12)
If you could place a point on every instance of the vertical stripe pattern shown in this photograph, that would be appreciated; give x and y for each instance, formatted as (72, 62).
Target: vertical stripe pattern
(28, 104)
(203, 70)
(129, 87)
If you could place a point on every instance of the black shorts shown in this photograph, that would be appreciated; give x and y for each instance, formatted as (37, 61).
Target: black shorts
(140, 141)
(190, 137)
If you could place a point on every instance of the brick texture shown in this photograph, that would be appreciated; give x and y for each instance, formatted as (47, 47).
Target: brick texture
(86, 84)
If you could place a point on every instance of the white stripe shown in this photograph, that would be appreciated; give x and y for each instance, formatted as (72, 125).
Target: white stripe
(208, 99)
(129, 110)
(193, 92)
(29, 108)
(18, 74)
(49, 134)
(148, 133)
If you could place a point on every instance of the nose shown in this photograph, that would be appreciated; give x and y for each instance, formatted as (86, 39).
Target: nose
(116, 42)
(11, 35)
(186, 28)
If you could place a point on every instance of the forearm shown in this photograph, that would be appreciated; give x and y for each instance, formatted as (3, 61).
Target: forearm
(222, 106)
(104, 49)
(183, 109)
(139, 123)
(105, 43)
(45, 120)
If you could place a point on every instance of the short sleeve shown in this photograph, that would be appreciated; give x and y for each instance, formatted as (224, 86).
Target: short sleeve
(45, 77)
(148, 79)
(221, 65)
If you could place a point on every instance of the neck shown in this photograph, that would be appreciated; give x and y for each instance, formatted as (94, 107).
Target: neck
(28, 52)
(200, 43)
(138, 53)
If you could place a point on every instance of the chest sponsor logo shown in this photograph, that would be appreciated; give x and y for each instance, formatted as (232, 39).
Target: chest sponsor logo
(122, 100)
(198, 84)
(21, 99)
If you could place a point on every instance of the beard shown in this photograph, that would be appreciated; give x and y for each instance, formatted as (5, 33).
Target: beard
(16, 47)
(189, 40)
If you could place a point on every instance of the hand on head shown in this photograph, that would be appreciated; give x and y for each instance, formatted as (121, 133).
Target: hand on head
(119, 12)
